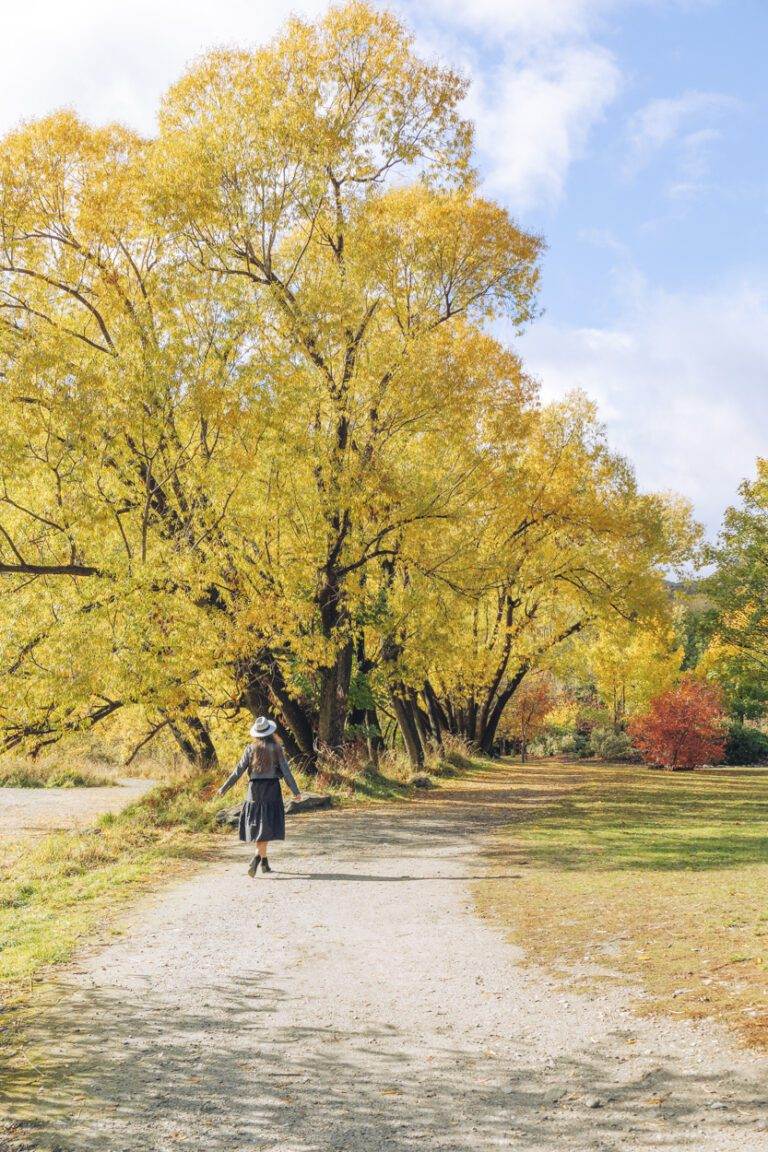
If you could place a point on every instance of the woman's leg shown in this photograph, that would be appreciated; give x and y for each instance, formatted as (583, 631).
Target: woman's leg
(259, 859)
(262, 847)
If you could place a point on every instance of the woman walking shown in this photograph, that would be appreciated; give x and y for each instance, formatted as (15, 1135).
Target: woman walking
(262, 816)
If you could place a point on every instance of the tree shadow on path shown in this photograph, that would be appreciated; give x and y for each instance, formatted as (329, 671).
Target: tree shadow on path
(314, 1088)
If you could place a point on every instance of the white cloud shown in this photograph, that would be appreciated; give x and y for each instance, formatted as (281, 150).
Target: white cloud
(540, 82)
(533, 21)
(534, 120)
(682, 125)
(112, 61)
(680, 381)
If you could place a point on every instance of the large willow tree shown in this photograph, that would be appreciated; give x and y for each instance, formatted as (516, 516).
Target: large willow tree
(257, 450)
(557, 544)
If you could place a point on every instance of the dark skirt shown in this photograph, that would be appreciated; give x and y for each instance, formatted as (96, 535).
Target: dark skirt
(262, 817)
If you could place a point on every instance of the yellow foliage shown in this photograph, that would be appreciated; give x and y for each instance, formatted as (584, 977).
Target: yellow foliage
(631, 665)
(253, 422)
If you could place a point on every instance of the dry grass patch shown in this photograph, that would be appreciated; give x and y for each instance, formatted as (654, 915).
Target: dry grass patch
(78, 772)
(663, 877)
(353, 777)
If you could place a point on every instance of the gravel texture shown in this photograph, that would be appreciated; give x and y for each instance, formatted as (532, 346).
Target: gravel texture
(354, 1001)
(24, 811)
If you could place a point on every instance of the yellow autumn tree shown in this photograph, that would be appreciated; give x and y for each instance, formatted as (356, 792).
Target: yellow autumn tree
(631, 664)
(558, 542)
(223, 353)
(258, 450)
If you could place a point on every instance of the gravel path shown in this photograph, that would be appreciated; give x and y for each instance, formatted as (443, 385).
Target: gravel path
(354, 1001)
(27, 810)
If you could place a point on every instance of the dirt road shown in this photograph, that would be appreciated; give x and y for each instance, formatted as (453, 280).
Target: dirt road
(24, 811)
(355, 1001)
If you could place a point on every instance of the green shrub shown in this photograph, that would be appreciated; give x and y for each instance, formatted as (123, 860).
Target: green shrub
(746, 745)
(557, 741)
(576, 744)
(608, 744)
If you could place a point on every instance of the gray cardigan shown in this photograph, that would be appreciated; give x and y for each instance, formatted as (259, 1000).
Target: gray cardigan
(274, 773)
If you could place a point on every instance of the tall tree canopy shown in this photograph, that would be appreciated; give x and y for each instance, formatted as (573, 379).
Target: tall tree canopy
(631, 665)
(737, 603)
(257, 448)
(739, 585)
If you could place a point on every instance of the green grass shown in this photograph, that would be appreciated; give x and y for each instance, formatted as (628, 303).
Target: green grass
(663, 876)
(58, 890)
(634, 818)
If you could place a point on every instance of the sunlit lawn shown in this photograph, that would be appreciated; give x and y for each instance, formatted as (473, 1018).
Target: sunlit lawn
(661, 876)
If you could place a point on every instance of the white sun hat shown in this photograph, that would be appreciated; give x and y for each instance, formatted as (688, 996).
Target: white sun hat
(263, 727)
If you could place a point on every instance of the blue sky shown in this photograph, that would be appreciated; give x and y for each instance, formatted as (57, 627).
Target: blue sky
(630, 132)
(674, 177)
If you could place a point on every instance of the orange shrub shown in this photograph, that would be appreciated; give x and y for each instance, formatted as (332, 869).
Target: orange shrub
(683, 727)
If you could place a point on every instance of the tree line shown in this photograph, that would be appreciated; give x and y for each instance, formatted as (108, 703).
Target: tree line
(260, 449)
(691, 690)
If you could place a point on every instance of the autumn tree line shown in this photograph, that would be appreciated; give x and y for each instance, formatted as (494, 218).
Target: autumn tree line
(260, 449)
(690, 693)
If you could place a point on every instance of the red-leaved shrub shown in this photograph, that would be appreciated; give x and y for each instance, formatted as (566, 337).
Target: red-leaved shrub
(683, 727)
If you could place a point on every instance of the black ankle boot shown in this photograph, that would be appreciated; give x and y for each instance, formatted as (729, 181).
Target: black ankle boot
(265, 865)
(253, 867)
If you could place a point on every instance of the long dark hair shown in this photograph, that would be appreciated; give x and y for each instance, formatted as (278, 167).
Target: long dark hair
(264, 753)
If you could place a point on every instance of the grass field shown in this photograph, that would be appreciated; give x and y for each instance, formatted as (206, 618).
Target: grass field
(661, 876)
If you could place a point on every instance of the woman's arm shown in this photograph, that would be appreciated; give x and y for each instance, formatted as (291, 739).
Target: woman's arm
(242, 764)
(287, 774)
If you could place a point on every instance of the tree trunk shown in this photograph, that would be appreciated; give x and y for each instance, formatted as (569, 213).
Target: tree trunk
(265, 694)
(194, 740)
(461, 723)
(374, 738)
(506, 609)
(405, 720)
(359, 715)
(488, 736)
(436, 714)
(334, 698)
(420, 719)
(296, 718)
(471, 722)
